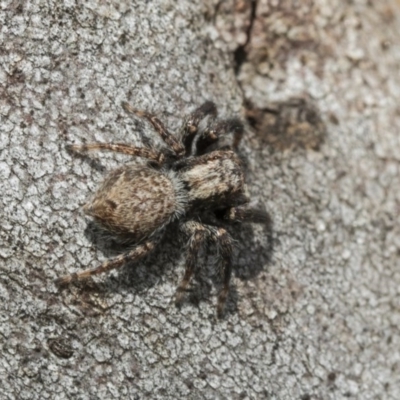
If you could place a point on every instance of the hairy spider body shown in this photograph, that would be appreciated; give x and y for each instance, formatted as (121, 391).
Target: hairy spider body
(136, 200)
(215, 180)
(186, 183)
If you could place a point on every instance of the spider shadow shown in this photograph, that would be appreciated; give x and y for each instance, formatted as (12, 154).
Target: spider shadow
(253, 249)
(138, 277)
(251, 253)
(133, 277)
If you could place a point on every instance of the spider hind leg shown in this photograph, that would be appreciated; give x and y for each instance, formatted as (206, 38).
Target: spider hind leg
(198, 233)
(133, 255)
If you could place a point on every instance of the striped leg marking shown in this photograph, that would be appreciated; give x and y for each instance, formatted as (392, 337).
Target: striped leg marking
(169, 139)
(134, 255)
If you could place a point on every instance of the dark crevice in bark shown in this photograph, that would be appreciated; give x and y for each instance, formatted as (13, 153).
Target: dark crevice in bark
(240, 54)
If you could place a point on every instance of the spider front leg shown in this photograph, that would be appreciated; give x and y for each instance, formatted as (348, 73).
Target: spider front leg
(191, 124)
(134, 255)
(217, 130)
(166, 136)
(150, 154)
(198, 234)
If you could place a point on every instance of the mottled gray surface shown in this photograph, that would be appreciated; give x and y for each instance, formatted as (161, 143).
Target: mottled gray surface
(320, 320)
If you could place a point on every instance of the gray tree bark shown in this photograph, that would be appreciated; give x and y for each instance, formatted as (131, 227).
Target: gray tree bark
(314, 317)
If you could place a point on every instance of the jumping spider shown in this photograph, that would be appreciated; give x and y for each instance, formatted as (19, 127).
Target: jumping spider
(193, 182)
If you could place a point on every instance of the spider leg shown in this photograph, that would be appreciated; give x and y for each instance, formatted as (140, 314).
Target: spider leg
(133, 255)
(166, 136)
(198, 234)
(150, 154)
(217, 130)
(191, 161)
(191, 124)
(225, 246)
(245, 214)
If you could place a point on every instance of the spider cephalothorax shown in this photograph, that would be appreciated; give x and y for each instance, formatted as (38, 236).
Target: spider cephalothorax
(186, 183)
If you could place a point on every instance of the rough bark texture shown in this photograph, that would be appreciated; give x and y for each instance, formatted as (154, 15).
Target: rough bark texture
(316, 318)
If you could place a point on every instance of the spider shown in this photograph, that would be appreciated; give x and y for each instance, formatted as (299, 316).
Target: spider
(194, 183)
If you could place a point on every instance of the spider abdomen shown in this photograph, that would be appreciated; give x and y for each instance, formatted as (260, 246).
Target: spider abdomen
(134, 201)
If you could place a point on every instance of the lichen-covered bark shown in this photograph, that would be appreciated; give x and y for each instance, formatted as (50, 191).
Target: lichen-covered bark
(318, 318)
